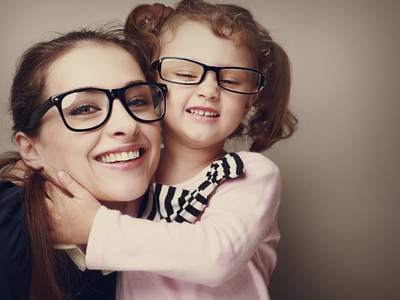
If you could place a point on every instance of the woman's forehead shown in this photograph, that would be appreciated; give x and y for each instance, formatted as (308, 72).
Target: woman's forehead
(103, 66)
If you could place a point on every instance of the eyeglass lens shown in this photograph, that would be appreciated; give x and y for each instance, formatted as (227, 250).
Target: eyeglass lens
(87, 109)
(232, 79)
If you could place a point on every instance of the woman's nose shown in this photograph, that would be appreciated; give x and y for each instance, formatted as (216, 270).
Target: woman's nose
(120, 122)
(208, 88)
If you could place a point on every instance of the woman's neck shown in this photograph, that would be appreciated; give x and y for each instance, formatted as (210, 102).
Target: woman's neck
(179, 163)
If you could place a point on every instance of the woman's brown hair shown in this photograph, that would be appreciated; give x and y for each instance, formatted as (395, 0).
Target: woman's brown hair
(27, 93)
(270, 119)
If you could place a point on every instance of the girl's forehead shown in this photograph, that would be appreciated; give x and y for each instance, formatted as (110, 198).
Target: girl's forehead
(197, 41)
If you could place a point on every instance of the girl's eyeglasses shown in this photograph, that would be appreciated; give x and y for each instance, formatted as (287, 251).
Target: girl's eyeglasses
(189, 72)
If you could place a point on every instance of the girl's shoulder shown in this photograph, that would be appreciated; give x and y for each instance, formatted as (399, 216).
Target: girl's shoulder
(257, 164)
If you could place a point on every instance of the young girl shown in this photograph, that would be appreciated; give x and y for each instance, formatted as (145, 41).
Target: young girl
(219, 64)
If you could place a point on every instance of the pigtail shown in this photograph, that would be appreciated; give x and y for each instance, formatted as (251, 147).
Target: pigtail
(143, 24)
(272, 120)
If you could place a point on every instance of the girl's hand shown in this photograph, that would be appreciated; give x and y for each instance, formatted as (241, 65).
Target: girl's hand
(71, 217)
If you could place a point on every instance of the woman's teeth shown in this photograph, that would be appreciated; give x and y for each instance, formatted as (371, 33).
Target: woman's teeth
(117, 157)
(203, 113)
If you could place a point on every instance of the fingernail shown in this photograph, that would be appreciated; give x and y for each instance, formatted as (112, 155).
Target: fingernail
(61, 175)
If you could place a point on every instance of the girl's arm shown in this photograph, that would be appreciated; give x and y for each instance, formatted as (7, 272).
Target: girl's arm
(209, 252)
(72, 218)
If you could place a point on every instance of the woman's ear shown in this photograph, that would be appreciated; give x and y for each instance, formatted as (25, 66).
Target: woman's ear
(27, 149)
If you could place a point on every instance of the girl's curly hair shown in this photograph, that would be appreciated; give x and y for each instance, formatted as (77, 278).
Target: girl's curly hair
(270, 119)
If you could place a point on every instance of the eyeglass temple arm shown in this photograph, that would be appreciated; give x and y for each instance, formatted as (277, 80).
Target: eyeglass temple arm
(38, 113)
(155, 66)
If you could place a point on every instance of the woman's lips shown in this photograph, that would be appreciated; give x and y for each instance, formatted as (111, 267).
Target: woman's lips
(116, 157)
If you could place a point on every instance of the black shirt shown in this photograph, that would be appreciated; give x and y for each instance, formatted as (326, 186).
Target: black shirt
(16, 256)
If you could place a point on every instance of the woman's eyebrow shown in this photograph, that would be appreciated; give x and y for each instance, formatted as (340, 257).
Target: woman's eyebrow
(97, 87)
(134, 82)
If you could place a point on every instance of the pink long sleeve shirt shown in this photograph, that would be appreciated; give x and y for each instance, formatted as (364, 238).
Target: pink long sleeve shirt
(227, 253)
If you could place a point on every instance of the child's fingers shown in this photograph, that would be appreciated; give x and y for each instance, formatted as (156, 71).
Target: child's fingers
(71, 216)
(73, 187)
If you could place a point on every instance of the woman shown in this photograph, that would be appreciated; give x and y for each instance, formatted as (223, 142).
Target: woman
(80, 103)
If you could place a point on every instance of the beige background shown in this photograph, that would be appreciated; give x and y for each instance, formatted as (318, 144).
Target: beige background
(339, 216)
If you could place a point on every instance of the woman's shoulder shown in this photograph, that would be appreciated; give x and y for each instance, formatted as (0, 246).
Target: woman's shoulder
(12, 210)
(13, 226)
(10, 196)
(15, 251)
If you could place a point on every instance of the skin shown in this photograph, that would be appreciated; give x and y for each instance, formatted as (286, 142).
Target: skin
(191, 141)
(58, 149)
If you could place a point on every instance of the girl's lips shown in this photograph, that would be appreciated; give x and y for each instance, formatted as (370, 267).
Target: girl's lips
(203, 112)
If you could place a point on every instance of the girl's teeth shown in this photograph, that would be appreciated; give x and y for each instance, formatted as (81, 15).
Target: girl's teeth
(123, 156)
(202, 113)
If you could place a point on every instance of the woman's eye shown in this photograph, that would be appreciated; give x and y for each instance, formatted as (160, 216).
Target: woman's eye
(84, 109)
(138, 102)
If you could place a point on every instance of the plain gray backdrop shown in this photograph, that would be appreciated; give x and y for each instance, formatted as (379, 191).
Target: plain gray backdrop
(339, 215)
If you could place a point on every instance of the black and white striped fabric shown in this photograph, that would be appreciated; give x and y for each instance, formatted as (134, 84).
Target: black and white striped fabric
(179, 205)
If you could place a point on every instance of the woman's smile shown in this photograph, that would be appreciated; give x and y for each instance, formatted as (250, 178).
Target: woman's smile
(119, 157)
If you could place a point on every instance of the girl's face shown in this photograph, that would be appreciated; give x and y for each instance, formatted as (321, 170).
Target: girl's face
(80, 154)
(220, 111)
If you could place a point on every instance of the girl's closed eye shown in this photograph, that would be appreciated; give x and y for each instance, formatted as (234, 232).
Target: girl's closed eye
(186, 76)
(227, 81)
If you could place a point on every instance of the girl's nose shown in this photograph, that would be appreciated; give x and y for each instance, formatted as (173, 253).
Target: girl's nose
(120, 123)
(208, 88)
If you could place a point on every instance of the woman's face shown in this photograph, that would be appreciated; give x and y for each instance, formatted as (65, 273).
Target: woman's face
(80, 153)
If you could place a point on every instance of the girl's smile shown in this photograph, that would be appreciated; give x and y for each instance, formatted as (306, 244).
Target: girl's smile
(207, 113)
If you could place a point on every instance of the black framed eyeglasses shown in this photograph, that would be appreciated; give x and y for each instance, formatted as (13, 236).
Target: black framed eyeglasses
(87, 109)
(189, 72)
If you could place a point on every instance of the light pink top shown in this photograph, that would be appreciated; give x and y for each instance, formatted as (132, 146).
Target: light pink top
(228, 253)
